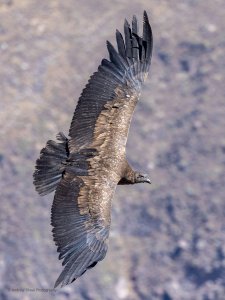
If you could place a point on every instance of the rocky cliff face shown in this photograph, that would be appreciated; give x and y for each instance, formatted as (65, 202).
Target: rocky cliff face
(168, 239)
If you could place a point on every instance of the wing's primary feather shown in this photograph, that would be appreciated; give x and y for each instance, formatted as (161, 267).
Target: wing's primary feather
(120, 45)
(128, 40)
(147, 38)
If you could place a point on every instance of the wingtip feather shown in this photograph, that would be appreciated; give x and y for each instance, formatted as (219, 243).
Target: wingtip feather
(134, 25)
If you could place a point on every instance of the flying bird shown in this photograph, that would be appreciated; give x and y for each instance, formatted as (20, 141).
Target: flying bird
(85, 169)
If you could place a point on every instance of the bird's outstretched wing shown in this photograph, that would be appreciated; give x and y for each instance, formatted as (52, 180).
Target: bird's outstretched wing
(99, 128)
(118, 79)
(80, 230)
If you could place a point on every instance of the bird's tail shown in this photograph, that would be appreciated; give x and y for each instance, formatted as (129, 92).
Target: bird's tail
(51, 165)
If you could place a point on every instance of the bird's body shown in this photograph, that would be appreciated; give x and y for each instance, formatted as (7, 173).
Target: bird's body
(86, 168)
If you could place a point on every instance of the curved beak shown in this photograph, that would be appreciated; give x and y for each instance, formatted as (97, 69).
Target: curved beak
(147, 179)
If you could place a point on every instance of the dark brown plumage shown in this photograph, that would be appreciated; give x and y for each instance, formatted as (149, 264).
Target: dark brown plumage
(86, 168)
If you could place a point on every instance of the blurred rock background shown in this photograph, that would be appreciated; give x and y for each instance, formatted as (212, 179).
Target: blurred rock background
(167, 240)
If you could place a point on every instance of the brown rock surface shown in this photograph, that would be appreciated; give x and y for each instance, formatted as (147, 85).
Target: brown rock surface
(167, 240)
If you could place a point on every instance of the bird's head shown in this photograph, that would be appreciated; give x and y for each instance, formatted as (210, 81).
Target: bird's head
(141, 178)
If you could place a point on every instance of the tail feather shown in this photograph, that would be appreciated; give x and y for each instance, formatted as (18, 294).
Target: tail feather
(51, 165)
